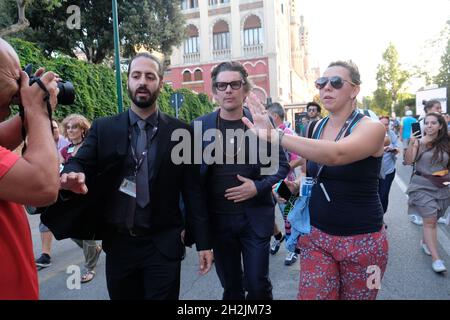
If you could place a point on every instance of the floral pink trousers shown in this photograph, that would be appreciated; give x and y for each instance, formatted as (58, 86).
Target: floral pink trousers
(344, 268)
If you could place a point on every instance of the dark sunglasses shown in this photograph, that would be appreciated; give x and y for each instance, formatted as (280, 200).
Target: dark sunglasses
(235, 85)
(336, 82)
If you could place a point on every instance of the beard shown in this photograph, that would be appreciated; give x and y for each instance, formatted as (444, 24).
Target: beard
(141, 102)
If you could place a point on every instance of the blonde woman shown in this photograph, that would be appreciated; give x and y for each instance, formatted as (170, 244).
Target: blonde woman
(75, 128)
(347, 236)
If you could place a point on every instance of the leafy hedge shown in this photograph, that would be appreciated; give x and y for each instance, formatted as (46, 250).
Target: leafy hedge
(95, 86)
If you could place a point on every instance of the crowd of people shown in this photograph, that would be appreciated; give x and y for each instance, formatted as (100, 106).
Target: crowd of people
(117, 182)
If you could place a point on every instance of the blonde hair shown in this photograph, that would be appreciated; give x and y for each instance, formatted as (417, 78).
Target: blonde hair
(80, 120)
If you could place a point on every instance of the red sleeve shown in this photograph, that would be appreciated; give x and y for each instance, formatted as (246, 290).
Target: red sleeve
(7, 160)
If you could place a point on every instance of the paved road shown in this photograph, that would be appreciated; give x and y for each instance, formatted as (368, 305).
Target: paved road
(408, 276)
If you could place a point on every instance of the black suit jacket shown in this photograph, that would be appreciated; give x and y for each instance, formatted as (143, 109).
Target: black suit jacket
(101, 158)
(259, 209)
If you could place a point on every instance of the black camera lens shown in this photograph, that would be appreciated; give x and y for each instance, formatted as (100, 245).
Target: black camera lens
(66, 93)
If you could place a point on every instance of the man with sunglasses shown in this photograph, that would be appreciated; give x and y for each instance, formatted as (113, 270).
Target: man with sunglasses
(237, 196)
(313, 110)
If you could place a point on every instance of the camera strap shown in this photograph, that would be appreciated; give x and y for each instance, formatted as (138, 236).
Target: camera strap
(22, 113)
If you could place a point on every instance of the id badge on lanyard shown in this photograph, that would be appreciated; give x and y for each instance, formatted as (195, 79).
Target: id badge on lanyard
(128, 186)
(306, 186)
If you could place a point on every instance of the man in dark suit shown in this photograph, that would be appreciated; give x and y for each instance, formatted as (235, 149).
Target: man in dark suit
(134, 194)
(237, 193)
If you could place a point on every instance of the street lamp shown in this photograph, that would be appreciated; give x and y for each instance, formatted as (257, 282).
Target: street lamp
(117, 56)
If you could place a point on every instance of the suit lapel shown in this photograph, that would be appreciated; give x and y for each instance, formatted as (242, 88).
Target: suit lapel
(209, 122)
(121, 134)
(162, 140)
(247, 114)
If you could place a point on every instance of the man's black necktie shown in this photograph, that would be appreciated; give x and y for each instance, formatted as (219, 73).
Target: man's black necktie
(142, 192)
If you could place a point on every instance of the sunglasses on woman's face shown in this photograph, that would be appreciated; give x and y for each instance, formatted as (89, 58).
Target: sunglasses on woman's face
(235, 85)
(336, 82)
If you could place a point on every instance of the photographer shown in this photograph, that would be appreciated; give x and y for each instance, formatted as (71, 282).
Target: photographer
(32, 179)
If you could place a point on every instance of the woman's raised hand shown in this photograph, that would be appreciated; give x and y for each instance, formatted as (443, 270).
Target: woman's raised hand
(262, 126)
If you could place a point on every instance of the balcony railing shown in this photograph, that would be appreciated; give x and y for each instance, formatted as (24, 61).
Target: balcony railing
(253, 50)
(191, 57)
(222, 54)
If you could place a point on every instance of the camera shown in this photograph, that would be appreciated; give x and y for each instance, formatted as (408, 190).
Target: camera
(66, 93)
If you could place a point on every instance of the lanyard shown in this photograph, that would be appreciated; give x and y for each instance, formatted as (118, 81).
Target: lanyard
(138, 162)
(347, 123)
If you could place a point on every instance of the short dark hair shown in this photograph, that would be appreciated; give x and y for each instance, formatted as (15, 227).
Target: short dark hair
(148, 56)
(277, 109)
(352, 69)
(313, 104)
(429, 104)
(231, 66)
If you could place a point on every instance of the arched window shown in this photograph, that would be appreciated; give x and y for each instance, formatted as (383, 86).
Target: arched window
(187, 77)
(253, 32)
(189, 4)
(221, 36)
(198, 75)
(216, 2)
(191, 44)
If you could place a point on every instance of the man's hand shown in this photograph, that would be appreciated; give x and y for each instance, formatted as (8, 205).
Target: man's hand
(183, 234)
(245, 191)
(32, 97)
(73, 181)
(205, 260)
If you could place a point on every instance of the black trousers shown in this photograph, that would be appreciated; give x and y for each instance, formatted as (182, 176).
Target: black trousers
(235, 243)
(384, 187)
(136, 270)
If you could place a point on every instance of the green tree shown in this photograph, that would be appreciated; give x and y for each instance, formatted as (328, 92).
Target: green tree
(390, 79)
(5, 18)
(405, 99)
(95, 86)
(7, 25)
(152, 24)
(443, 77)
(368, 102)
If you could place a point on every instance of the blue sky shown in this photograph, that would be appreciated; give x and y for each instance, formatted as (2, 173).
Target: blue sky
(361, 30)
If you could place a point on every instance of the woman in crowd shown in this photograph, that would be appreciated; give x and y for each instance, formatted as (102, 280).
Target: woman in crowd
(428, 194)
(345, 254)
(75, 128)
(387, 172)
